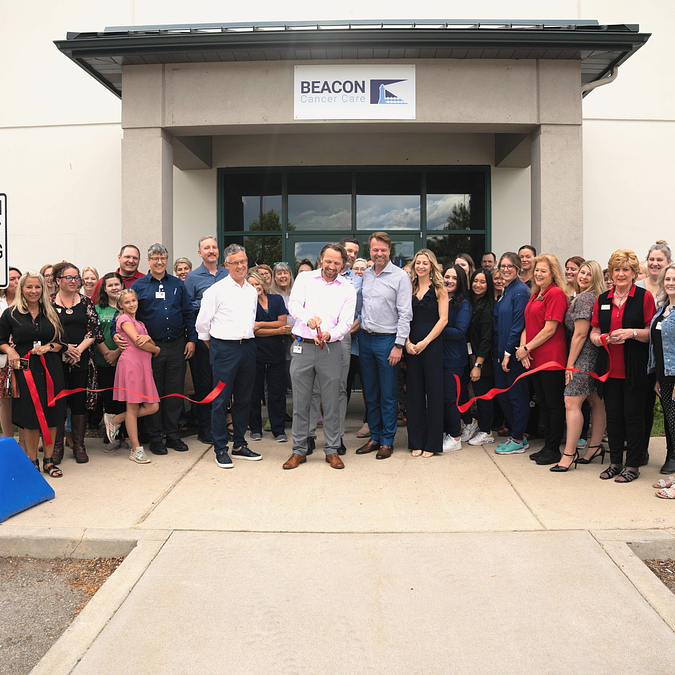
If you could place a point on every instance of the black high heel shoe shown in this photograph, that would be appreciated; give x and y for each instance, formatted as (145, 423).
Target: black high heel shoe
(599, 453)
(561, 469)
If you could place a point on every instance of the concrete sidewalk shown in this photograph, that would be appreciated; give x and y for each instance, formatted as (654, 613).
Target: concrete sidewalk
(468, 562)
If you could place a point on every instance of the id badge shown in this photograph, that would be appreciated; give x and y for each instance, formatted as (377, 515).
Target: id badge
(160, 295)
(468, 346)
(658, 326)
(297, 348)
(606, 307)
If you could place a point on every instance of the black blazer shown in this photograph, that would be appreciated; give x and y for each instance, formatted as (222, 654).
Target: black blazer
(635, 354)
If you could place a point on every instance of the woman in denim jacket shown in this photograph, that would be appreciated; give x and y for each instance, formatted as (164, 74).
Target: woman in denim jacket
(662, 362)
(509, 324)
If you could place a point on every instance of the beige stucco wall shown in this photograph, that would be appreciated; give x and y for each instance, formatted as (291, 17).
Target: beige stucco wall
(60, 130)
(195, 97)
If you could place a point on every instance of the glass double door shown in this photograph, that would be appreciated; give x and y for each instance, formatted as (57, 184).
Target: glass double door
(301, 247)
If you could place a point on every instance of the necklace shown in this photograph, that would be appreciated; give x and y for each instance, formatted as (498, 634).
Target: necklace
(69, 310)
(621, 298)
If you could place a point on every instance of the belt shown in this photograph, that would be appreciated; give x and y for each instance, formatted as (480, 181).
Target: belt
(169, 339)
(369, 332)
(307, 340)
(234, 342)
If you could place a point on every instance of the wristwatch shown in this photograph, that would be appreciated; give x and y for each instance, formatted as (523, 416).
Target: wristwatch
(479, 365)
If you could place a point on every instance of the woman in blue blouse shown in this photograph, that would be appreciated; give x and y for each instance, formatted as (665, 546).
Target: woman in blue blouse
(509, 314)
(270, 332)
(455, 352)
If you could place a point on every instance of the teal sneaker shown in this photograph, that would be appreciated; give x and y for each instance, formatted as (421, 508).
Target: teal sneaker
(512, 447)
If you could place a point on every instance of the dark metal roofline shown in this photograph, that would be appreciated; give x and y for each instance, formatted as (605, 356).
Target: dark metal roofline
(102, 54)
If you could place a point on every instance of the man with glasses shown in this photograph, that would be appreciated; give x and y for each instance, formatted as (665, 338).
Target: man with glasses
(225, 323)
(165, 308)
(196, 283)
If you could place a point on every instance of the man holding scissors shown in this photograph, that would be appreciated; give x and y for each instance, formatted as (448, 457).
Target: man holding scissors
(322, 303)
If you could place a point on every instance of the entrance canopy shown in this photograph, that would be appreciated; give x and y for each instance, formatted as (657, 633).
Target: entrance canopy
(599, 48)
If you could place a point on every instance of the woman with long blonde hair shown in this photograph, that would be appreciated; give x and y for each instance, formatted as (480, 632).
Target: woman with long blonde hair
(36, 337)
(543, 340)
(583, 354)
(424, 347)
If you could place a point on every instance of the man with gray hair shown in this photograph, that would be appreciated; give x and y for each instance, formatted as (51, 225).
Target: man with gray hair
(225, 323)
(165, 309)
(196, 283)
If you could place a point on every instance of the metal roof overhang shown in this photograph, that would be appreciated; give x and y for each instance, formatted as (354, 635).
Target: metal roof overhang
(599, 48)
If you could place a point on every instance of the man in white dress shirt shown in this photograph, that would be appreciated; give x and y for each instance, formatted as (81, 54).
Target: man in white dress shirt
(225, 323)
(322, 303)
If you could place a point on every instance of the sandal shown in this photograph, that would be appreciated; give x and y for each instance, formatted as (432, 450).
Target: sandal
(626, 476)
(50, 468)
(665, 482)
(36, 462)
(416, 453)
(666, 493)
(610, 472)
(428, 454)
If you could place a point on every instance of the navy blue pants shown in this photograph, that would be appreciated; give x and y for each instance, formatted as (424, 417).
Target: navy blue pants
(202, 379)
(380, 385)
(484, 409)
(452, 423)
(233, 363)
(516, 402)
(275, 374)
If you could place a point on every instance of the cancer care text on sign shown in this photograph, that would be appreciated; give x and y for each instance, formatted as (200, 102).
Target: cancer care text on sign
(354, 92)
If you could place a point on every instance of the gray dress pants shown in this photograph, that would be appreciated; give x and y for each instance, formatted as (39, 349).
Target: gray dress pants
(316, 396)
(323, 366)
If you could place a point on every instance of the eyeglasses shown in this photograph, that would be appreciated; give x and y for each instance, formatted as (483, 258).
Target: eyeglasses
(69, 278)
(159, 258)
(238, 263)
(507, 267)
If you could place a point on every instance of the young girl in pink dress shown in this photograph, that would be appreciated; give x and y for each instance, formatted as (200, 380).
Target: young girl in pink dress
(133, 376)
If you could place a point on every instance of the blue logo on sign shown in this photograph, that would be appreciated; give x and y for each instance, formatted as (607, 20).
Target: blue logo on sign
(380, 95)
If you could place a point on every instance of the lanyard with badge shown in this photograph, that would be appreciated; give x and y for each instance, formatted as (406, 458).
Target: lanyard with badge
(160, 294)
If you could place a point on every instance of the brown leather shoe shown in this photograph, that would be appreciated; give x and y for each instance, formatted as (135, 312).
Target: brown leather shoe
(370, 446)
(334, 460)
(384, 452)
(294, 461)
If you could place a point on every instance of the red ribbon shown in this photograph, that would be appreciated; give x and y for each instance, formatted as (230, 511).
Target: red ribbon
(51, 398)
(549, 365)
(39, 411)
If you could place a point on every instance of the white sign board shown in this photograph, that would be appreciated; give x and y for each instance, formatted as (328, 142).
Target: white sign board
(368, 92)
(4, 265)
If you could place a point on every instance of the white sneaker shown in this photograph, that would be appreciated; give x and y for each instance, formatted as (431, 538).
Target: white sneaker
(481, 438)
(469, 431)
(138, 455)
(450, 444)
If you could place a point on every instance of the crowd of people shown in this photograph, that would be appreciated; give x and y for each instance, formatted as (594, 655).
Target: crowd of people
(579, 351)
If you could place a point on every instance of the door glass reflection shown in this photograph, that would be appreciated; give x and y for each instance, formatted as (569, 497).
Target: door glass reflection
(387, 212)
(319, 212)
(262, 213)
(449, 212)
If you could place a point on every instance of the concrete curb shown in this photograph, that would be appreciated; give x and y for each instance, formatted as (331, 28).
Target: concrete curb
(139, 547)
(628, 549)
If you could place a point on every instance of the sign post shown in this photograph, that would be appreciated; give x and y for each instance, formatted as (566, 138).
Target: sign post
(4, 264)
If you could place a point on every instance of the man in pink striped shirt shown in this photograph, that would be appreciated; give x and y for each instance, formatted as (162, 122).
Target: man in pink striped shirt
(322, 303)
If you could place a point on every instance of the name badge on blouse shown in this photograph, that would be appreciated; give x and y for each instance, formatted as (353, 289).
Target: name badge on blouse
(658, 326)
(605, 307)
(160, 295)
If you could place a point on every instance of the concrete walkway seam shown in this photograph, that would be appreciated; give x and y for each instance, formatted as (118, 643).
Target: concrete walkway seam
(69, 649)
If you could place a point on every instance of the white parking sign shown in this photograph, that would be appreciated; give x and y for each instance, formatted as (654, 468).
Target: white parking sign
(4, 271)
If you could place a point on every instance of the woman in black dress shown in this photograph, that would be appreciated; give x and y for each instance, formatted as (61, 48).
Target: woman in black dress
(424, 347)
(36, 331)
(82, 330)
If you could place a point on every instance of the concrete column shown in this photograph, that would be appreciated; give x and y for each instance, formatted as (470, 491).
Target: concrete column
(147, 190)
(557, 204)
